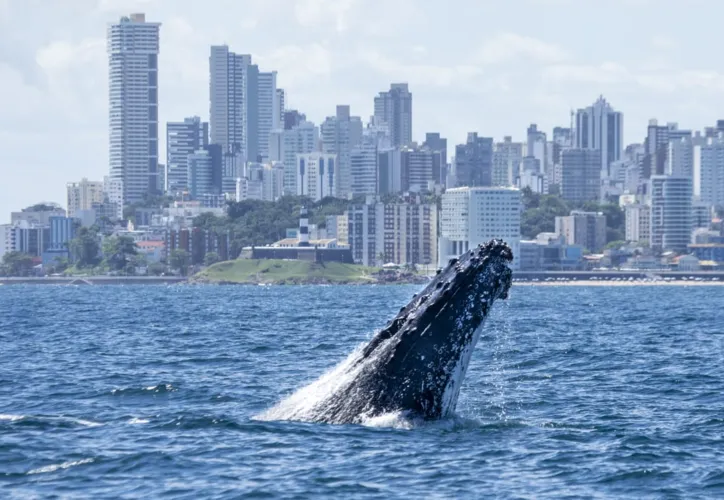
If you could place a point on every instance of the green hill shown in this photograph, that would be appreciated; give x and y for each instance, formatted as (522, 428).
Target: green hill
(254, 271)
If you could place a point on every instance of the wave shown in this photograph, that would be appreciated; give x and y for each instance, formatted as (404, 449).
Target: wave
(307, 403)
(61, 466)
(144, 391)
(47, 421)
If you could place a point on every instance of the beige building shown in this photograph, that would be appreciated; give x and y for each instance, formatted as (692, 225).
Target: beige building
(638, 222)
(587, 229)
(401, 233)
(82, 195)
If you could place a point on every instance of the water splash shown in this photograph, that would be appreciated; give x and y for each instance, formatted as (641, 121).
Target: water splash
(307, 403)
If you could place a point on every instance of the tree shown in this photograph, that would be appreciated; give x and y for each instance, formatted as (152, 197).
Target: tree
(119, 252)
(156, 269)
(615, 244)
(40, 207)
(180, 260)
(17, 263)
(84, 248)
(59, 265)
(211, 258)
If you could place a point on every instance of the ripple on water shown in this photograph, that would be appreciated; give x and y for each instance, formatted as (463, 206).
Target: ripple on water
(584, 392)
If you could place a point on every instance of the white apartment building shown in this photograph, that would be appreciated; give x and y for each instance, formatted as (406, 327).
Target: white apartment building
(82, 195)
(299, 140)
(133, 47)
(7, 239)
(638, 222)
(317, 175)
(474, 215)
(400, 233)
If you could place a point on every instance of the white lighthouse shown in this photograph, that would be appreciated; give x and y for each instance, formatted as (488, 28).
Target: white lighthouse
(303, 227)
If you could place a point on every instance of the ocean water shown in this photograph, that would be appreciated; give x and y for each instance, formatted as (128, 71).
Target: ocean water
(151, 391)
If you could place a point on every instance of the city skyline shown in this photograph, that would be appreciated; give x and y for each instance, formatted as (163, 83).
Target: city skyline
(56, 83)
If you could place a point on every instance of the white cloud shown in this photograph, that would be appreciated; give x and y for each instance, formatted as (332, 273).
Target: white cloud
(510, 46)
(298, 65)
(312, 13)
(127, 6)
(663, 42)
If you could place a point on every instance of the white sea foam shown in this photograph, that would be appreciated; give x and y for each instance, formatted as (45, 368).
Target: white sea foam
(11, 418)
(64, 465)
(307, 403)
(137, 421)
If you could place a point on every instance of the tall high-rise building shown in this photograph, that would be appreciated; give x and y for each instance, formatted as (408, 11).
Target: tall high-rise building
(474, 215)
(133, 47)
(580, 174)
(340, 134)
(656, 147)
(537, 146)
(82, 195)
(301, 138)
(317, 175)
(599, 127)
(232, 91)
(434, 142)
(419, 167)
(363, 168)
(205, 168)
(680, 157)
(183, 139)
(269, 115)
(394, 108)
(281, 105)
(474, 161)
(671, 212)
(507, 156)
(708, 172)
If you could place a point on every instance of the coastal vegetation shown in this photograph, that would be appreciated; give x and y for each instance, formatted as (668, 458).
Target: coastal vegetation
(540, 212)
(258, 223)
(280, 272)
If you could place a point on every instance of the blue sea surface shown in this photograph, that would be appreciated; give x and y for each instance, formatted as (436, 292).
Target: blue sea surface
(151, 391)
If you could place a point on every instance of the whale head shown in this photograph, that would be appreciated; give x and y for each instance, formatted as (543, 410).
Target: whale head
(417, 362)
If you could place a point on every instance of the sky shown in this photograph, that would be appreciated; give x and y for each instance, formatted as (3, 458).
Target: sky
(487, 66)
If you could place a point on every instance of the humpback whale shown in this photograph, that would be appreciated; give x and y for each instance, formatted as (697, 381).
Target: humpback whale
(416, 364)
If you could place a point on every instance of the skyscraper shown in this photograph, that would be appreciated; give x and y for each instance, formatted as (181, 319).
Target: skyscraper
(671, 212)
(341, 133)
(506, 162)
(394, 108)
(183, 139)
(269, 115)
(133, 47)
(599, 127)
(580, 174)
(228, 82)
(474, 161)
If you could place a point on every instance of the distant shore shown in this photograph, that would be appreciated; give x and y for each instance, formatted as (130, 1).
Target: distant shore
(95, 280)
(619, 283)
